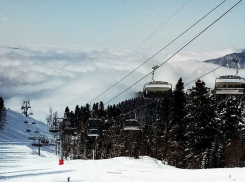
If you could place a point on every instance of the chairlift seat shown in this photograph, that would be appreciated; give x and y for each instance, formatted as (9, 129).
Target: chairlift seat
(230, 84)
(94, 126)
(70, 131)
(37, 144)
(93, 132)
(131, 124)
(54, 130)
(31, 138)
(156, 89)
(45, 141)
(95, 123)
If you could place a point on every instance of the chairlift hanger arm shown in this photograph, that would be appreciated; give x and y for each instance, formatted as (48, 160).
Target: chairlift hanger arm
(153, 71)
(236, 62)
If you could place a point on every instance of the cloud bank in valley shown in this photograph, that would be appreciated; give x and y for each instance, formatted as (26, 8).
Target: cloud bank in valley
(60, 78)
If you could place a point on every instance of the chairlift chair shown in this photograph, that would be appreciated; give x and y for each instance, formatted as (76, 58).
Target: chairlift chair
(131, 124)
(36, 131)
(93, 132)
(70, 131)
(156, 89)
(230, 84)
(31, 138)
(44, 141)
(28, 130)
(25, 121)
(94, 127)
(35, 144)
(54, 129)
(66, 121)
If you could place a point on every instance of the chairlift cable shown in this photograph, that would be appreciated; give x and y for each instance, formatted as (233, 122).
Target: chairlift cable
(177, 89)
(139, 47)
(203, 75)
(160, 49)
(199, 34)
(178, 50)
(164, 24)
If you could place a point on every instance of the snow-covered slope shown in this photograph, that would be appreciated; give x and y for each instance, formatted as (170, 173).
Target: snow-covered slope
(19, 162)
(15, 128)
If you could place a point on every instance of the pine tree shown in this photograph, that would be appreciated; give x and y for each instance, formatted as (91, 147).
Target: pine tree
(177, 113)
(231, 126)
(1, 103)
(200, 124)
(161, 128)
(67, 112)
(77, 117)
(3, 114)
(95, 110)
(176, 125)
(101, 110)
(231, 119)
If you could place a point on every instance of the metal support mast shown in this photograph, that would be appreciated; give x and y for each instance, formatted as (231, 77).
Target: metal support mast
(25, 106)
(62, 123)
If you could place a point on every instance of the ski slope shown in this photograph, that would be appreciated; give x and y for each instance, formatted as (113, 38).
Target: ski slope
(15, 128)
(19, 162)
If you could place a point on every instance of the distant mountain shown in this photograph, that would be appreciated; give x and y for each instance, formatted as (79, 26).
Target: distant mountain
(224, 60)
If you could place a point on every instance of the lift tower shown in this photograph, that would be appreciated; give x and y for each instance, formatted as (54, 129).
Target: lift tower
(25, 106)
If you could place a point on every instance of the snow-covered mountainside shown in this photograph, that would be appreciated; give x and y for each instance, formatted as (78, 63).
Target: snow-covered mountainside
(19, 162)
(15, 127)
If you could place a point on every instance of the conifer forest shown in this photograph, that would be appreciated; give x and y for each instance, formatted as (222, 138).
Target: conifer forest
(187, 129)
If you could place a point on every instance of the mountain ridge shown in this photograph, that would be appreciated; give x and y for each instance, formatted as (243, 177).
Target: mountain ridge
(223, 61)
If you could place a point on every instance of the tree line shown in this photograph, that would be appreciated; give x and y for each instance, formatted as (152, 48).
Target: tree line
(2, 114)
(186, 129)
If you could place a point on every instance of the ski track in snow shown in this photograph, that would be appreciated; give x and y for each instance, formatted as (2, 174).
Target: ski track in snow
(19, 162)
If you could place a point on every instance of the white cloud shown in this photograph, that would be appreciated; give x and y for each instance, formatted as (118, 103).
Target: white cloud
(4, 19)
(60, 78)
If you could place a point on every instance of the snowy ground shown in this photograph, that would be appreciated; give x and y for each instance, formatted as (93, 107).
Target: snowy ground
(19, 162)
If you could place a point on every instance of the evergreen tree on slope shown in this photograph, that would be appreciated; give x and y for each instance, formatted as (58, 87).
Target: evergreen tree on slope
(231, 127)
(231, 120)
(3, 114)
(200, 124)
(177, 112)
(176, 126)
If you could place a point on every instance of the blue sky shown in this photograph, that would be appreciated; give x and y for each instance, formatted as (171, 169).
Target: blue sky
(116, 24)
(68, 52)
